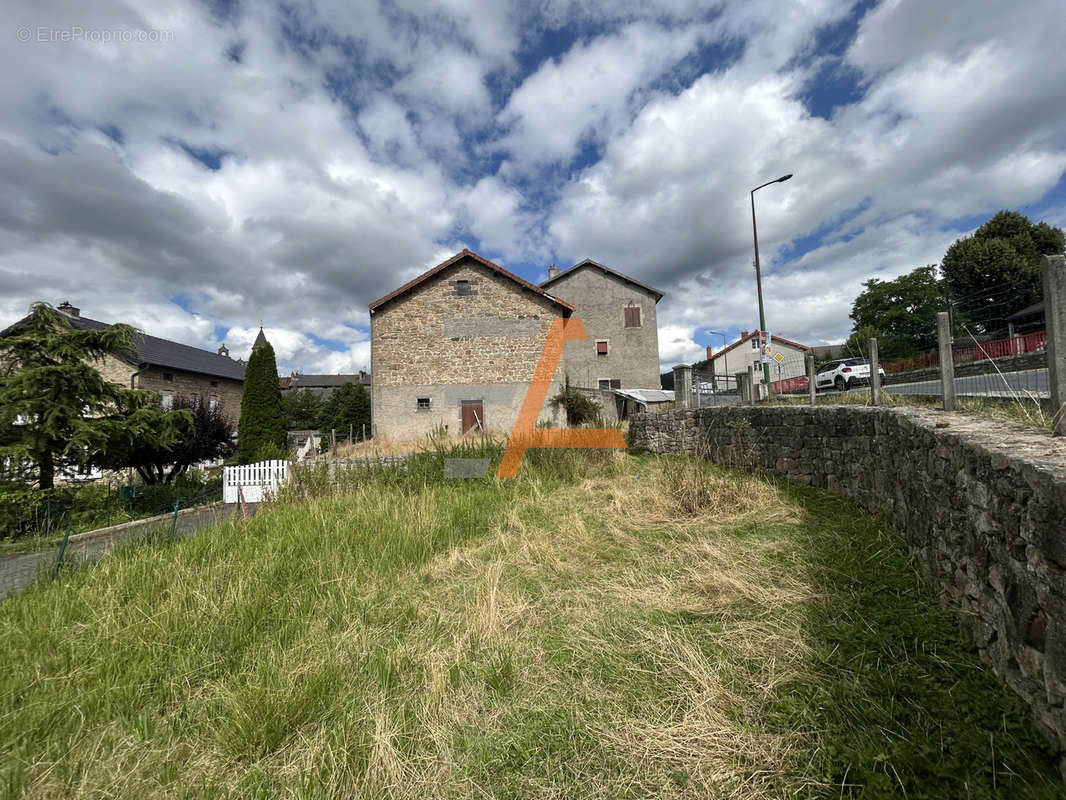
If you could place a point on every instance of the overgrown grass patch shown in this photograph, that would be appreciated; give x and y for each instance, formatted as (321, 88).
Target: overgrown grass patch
(602, 626)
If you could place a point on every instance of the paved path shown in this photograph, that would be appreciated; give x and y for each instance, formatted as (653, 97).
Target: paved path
(19, 571)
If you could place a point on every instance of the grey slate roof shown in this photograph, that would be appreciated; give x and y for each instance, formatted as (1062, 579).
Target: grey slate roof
(301, 381)
(165, 353)
(588, 262)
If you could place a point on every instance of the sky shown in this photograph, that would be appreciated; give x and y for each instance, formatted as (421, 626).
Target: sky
(199, 169)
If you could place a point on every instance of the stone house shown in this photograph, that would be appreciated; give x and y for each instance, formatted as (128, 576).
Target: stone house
(170, 369)
(618, 312)
(455, 349)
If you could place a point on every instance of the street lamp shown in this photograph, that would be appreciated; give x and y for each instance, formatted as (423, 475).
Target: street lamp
(714, 382)
(758, 273)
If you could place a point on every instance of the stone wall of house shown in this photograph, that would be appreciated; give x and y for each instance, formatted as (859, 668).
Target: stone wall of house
(446, 342)
(632, 353)
(981, 505)
(175, 382)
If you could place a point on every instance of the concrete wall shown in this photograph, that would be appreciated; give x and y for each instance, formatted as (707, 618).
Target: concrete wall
(982, 506)
(433, 342)
(632, 353)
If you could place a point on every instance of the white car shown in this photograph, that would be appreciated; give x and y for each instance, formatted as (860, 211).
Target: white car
(842, 374)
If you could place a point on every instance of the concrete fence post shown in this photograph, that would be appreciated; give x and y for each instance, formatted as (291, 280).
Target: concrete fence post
(1054, 269)
(947, 361)
(751, 386)
(812, 390)
(683, 386)
(742, 386)
(875, 374)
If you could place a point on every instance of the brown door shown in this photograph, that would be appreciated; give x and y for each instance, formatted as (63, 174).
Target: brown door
(473, 415)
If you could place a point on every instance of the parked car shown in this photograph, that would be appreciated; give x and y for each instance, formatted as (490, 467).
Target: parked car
(845, 373)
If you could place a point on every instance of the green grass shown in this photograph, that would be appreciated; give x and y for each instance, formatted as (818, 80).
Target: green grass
(602, 626)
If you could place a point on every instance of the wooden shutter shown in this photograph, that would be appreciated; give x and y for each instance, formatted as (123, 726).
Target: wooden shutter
(632, 316)
(601, 348)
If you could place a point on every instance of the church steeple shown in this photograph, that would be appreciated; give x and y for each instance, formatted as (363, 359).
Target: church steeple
(260, 340)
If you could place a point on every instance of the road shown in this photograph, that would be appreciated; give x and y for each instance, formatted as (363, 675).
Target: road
(19, 571)
(1008, 384)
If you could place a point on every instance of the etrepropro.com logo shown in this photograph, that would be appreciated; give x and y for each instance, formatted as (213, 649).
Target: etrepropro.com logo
(41, 34)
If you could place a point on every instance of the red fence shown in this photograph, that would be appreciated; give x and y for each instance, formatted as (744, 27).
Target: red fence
(796, 384)
(975, 351)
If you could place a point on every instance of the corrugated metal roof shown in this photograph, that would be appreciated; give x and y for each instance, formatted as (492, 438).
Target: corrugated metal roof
(165, 353)
(647, 395)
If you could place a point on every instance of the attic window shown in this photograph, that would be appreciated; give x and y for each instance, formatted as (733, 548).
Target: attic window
(462, 289)
(632, 316)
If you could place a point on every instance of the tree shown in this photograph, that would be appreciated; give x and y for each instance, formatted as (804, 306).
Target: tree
(56, 409)
(303, 409)
(901, 313)
(347, 406)
(996, 272)
(262, 425)
(208, 436)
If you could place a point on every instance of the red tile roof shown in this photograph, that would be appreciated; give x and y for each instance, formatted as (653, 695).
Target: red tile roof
(465, 253)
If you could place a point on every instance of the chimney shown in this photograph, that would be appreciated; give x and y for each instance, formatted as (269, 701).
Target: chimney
(743, 335)
(709, 352)
(68, 309)
(223, 350)
(553, 271)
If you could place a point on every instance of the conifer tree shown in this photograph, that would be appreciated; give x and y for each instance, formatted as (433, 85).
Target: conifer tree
(261, 430)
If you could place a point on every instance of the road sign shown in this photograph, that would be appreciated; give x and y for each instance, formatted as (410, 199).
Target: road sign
(778, 358)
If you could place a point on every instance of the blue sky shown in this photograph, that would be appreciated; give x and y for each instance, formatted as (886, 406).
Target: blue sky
(200, 168)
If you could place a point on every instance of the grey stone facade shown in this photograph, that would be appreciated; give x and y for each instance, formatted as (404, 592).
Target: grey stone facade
(601, 296)
(981, 504)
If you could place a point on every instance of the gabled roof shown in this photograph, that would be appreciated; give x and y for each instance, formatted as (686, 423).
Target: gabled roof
(151, 350)
(588, 262)
(751, 336)
(464, 254)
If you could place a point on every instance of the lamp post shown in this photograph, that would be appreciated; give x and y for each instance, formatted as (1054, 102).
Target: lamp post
(758, 274)
(714, 382)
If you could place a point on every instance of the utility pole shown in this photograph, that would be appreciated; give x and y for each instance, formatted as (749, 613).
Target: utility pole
(758, 276)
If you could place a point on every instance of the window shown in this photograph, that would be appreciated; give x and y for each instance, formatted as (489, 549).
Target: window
(616, 383)
(212, 403)
(755, 342)
(462, 288)
(604, 383)
(632, 316)
(610, 383)
(168, 402)
(601, 347)
(423, 404)
(214, 384)
(168, 376)
(757, 365)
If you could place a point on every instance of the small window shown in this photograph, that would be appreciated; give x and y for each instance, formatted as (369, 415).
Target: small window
(616, 383)
(214, 384)
(757, 365)
(212, 403)
(601, 347)
(604, 383)
(632, 316)
(168, 402)
(755, 342)
(462, 289)
(168, 376)
(423, 404)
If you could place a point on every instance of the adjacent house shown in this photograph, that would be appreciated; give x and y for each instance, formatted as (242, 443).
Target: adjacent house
(744, 353)
(322, 386)
(169, 368)
(618, 312)
(455, 348)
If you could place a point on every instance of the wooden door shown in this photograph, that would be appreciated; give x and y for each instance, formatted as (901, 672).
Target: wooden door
(473, 415)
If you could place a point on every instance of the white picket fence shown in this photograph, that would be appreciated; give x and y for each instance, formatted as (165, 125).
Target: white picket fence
(257, 481)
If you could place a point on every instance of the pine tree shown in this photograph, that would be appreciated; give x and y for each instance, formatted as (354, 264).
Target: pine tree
(348, 406)
(261, 430)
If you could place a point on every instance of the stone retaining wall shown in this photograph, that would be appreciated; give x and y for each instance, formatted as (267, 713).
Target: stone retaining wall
(986, 366)
(981, 504)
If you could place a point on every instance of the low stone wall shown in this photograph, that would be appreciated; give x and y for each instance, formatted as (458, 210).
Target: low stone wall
(981, 504)
(1036, 360)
